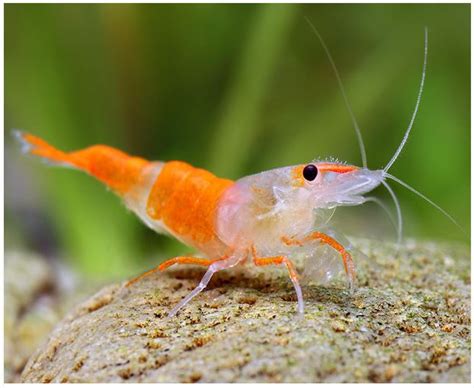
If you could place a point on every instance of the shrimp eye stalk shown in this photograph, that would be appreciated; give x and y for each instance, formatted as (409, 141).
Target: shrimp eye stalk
(310, 172)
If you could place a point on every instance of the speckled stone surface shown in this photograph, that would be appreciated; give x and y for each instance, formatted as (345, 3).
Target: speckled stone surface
(408, 321)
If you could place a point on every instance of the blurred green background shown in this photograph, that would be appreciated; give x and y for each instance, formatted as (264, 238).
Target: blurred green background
(236, 89)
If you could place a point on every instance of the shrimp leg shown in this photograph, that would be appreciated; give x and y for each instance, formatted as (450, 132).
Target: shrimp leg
(218, 265)
(277, 260)
(325, 239)
(175, 260)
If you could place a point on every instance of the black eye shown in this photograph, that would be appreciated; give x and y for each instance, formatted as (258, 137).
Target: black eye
(310, 172)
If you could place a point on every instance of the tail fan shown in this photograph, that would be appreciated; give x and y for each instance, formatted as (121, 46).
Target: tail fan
(115, 168)
(33, 145)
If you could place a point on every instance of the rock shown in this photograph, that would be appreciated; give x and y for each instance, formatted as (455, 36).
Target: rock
(408, 321)
(37, 295)
(26, 276)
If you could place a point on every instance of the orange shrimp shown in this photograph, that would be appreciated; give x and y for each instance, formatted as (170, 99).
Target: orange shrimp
(265, 217)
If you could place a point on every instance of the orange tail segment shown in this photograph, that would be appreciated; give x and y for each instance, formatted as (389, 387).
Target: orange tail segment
(115, 168)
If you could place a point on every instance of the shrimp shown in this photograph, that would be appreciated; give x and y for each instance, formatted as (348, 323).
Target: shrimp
(264, 217)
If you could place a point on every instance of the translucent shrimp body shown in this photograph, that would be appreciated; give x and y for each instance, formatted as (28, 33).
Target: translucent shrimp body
(263, 217)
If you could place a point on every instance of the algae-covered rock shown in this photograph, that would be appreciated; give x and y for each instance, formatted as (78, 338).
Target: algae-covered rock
(408, 321)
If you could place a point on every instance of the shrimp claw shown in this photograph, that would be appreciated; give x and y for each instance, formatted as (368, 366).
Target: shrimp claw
(325, 239)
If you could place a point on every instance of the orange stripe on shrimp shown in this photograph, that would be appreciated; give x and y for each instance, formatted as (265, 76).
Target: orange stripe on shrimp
(336, 167)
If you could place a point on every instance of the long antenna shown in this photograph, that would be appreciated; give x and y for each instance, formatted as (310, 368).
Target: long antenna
(420, 91)
(407, 186)
(399, 212)
(346, 100)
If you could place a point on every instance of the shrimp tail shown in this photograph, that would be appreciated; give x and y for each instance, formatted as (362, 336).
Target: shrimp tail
(114, 168)
(33, 145)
